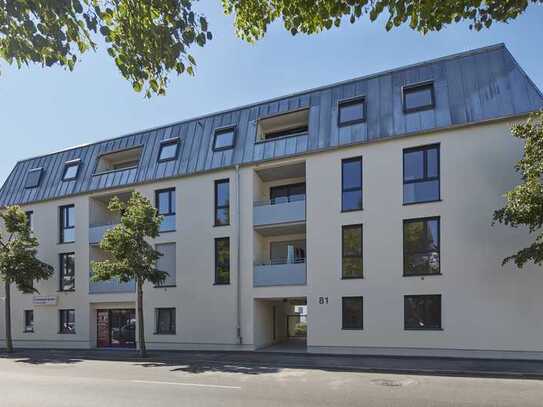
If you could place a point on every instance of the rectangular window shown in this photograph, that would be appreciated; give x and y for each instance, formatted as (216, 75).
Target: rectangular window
(222, 260)
(165, 204)
(287, 193)
(224, 138)
(222, 202)
(71, 170)
(352, 263)
(351, 111)
(165, 321)
(421, 246)
(421, 174)
(30, 219)
(119, 160)
(67, 224)
(418, 97)
(422, 312)
(33, 177)
(67, 321)
(166, 263)
(351, 184)
(67, 272)
(168, 149)
(29, 321)
(352, 313)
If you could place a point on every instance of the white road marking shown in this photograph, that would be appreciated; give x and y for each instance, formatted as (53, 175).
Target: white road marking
(213, 386)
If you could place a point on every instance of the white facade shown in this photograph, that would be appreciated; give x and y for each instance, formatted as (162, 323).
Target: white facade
(486, 309)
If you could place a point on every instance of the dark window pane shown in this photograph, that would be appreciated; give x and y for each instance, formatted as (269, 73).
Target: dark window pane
(352, 200)
(352, 262)
(67, 321)
(352, 317)
(422, 312)
(413, 165)
(70, 172)
(29, 321)
(222, 202)
(33, 178)
(223, 194)
(421, 191)
(67, 271)
(418, 97)
(421, 247)
(351, 112)
(168, 151)
(352, 174)
(165, 321)
(164, 203)
(222, 261)
(224, 139)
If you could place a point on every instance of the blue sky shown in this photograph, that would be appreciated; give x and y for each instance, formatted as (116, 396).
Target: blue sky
(44, 110)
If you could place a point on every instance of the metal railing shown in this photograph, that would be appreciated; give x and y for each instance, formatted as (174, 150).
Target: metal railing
(281, 260)
(278, 201)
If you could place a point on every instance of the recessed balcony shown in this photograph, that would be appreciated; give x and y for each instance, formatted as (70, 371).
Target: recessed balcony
(271, 212)
(280, 273)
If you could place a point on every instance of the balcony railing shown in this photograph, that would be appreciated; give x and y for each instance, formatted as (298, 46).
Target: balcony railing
(111, 287)
(96, 233)
(279, 211)
(280, 272)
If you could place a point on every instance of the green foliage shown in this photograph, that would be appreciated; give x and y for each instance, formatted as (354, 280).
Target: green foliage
(524, 203)
(253, 17)
(132, 257)
(147, 39)
(18, 248)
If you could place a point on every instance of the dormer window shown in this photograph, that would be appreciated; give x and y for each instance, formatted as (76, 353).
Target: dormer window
(168, 149)
(224, 138)
(283, 125)
(418, 97)
(351, 111)
(33, 177)
(71, 170)
(119, 160)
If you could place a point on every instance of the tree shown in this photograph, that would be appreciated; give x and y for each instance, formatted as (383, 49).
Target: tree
(132, 257)
(253, 17)
(151, 39)
(18, 262)
(524, 203)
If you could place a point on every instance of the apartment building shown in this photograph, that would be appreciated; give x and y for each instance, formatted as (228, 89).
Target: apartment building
(351, 218)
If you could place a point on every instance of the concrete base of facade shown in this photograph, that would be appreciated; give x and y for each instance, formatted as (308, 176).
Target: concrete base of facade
(426, 352)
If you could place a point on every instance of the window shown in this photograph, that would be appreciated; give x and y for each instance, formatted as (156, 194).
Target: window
(166, 263)
(30, 219)
(351, 111)
(168, 150)
(418, 97)
(421, 174)
(421, 247)
(222, 202)
(352, 264)
(67, 321)
(222, 260)
(165, 204)
(224, 139)
(165, 321)
(67, 224)
(71, 169)
(287, 193)
(29, 321)
(352, 313)
(33, 178)
(283, 125)
(422, 312)
(119, 160)
(67, 272)
(351, 184)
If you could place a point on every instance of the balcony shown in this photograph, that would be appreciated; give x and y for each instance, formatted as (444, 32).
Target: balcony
(280, 273)
(111, 287)
(96, 233)
(267, 213)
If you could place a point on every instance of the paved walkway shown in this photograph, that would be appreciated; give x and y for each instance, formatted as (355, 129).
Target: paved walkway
(264, 361)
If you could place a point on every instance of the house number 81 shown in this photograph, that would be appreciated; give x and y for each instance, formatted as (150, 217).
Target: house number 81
(323, 300)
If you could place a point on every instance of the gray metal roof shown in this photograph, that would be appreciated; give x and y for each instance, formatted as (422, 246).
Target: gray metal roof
(470, 87)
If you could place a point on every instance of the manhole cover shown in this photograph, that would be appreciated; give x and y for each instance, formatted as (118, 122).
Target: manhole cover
(393, 382)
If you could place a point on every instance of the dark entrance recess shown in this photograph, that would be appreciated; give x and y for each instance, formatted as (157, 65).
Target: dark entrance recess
(116, 328)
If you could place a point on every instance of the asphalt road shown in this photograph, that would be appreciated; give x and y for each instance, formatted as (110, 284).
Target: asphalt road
(79, 382)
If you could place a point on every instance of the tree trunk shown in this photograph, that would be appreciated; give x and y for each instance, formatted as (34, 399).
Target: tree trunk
(141, 333)
(7, 309)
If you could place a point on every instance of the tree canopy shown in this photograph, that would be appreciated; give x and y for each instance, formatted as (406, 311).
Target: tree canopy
(150, 40)
(524, 203)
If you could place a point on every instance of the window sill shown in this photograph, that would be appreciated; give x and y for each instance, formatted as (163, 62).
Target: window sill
(215, 225)
(222, 148)
(66, 291)
(70, 242)
(422, 275)
(28, 332)
(66, 333)
(219, 284)
(164, 333)
(421, 202)
(352, 329)
(351, 210)
(166, 231)
(423, 329)
(352, 278)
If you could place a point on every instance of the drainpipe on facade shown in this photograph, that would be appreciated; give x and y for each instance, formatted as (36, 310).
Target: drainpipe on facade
(238, 276)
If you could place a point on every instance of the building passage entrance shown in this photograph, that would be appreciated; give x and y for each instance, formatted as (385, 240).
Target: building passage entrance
(116, 328)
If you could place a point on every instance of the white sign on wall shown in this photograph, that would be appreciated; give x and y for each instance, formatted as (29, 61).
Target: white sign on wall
(45, 300)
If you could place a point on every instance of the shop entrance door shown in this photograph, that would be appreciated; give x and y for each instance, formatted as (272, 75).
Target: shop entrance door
(116, 328)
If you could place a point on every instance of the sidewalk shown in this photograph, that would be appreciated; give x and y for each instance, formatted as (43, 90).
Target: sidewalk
(260, 362)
